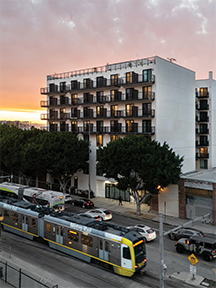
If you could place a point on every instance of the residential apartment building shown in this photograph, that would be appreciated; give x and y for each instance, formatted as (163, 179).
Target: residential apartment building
(150, 96)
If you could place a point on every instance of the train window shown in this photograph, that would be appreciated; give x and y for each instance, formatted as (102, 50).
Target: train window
(126, 253)
(6, 214)
(73, 236)
(62, 230)
(101, 245)
(33, 222)
(57, 230)
(106, 246)
(87, 240)
(48, 227)
(14, 216)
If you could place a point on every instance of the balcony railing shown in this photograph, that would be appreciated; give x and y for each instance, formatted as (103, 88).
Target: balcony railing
(58, 89)
(202, 95)
(121, 97)
(202, 119)
(202, 107)
(202, 144)
(202, 155)
(106, 68)
(103, 130)
(103, 114)
(198, 131)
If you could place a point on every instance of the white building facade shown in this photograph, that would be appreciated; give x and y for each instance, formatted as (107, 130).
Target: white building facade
(150, 96)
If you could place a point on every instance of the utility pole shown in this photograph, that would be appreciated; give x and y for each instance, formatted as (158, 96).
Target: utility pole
(163, 267)
(89, 191)
(161, 249)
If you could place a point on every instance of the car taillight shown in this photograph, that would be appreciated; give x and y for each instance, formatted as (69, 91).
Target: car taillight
(213, 251)
(145, 260)
(111, 213)
(104, 215)
(99, 219)
(204, 235)
(136, 266)
(87, 203)
(92, 202)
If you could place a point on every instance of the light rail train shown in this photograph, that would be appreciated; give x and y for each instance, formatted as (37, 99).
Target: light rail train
(49, 198)
(114, 247)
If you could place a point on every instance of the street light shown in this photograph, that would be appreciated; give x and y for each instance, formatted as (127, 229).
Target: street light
(89, 191)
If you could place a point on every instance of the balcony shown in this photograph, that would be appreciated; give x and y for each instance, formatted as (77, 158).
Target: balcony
(103, 113)
(54, 89)
(202, 119)
(202, 107)
(202, 144)
(202, 95)
(202, 155)
(203, 131)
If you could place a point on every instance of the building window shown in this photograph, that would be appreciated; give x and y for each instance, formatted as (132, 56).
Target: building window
(203, 152)
(147, 75)
(74, 99)
(113, 138)
(73, 126)
(203, 91)
(203, 128)
(147, 126)
(129, 109)
(203, 164)
(99, 126)
(99, 140)
(147, 92)
(114, 80)
(203, 140)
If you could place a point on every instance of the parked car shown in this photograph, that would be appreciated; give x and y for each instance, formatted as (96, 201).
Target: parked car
(185, 233)
(84, 203)
(147, 232)
(204, 246)
(103, 213)
(96, 217)
(68, 198)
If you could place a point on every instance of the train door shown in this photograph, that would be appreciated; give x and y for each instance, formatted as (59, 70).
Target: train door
(59, 234)
(103, 249)
(126, 261)
(25, 223)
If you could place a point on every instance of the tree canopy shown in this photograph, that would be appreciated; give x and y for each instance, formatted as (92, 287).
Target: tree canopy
(27, 151)
(138, 163)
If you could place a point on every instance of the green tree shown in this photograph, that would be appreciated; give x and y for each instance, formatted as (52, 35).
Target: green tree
(19, 150)
(138, 163)
(63, 155)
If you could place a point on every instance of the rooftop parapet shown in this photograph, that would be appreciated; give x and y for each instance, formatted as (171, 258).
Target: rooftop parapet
(100, 69)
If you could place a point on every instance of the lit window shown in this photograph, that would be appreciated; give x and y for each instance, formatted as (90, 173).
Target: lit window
(99, 140)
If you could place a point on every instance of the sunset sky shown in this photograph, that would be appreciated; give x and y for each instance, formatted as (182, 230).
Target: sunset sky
(42, 37)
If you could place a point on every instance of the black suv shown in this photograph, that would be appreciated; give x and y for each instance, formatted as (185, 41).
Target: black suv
(204, 246)
(185, 233)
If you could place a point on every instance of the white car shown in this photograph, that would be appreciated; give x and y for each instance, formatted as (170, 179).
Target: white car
(103, 213)
(148, 233)
(87, 215)
(67, 198)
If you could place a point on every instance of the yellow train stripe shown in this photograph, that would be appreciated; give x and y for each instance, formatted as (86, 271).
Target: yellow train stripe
(87, 254)
(20, 230)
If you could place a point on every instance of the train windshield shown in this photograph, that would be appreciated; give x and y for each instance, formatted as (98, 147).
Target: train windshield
(140, 251)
